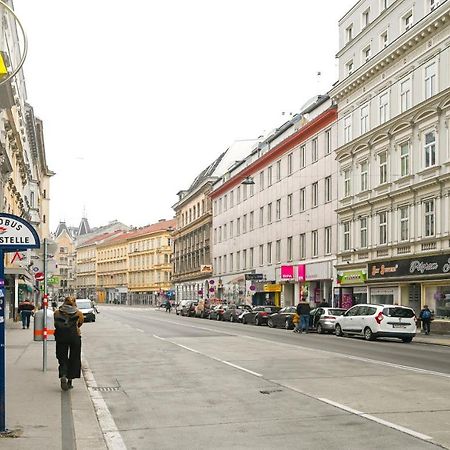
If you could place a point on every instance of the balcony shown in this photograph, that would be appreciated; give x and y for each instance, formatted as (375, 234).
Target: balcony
(403, 250)
(429, 246)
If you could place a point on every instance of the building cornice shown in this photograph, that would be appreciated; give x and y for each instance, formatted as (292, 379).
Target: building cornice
(310, 129)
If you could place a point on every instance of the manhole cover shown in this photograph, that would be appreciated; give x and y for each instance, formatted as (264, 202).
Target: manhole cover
(106, 388)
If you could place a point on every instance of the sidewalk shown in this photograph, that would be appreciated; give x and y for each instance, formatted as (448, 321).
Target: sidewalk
(38, 413)
(435, 339)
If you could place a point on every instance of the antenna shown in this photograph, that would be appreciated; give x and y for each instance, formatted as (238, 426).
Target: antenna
(84, 211)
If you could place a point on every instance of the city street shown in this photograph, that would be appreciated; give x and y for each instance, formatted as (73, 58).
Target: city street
(172, 381)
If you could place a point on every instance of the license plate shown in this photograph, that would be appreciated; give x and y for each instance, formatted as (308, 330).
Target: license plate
(399, 325)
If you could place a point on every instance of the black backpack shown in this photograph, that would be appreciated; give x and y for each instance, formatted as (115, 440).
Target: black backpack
(66, 327)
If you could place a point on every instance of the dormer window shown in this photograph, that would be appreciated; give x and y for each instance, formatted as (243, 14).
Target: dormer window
(350, 67)
(408, 20)
(367, 53)
(384, 39)
(365, 18)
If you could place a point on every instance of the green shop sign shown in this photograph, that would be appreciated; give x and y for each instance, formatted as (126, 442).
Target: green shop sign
(352, 277)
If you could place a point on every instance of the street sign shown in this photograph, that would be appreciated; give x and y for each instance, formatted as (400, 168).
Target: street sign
(254, 276)
(39, 276)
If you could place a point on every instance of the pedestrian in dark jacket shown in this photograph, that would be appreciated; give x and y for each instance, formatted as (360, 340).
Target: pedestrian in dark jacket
(68, 320)
(425, 316)
(26, 309)
(303, 310)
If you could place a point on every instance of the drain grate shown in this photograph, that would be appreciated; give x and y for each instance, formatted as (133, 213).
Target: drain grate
(106, 388)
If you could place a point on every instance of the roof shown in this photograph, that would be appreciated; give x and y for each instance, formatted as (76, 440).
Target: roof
(100, 238)
(84, 227)
(162, 225)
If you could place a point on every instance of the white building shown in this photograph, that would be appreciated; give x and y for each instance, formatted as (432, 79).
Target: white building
(281, 230)
(394, 161)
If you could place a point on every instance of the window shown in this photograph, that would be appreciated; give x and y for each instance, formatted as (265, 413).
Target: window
(231, 228)
(328, 193)
(363, 232)
(302, 156)
(367, 53)
(382, 220)
(384, 4)
(327, 240)
(384, 39)
(261, 255)
(261, 180)
(269, 213)
(238, 195)
(251, 255)
(315, 242)
(384, 107)
(404, 159)
(231, 262)
(349, 33)
(366, 18)
(350, 67)
(429, 217)
(364, 119)
(383, 167)
(252, 220)
(364, 176)
(278, 170)
(224, 264)
(261, 216)
(244, 259)
(278, 251)
(289, 205)
(244, 223)
(430, 149)
(430, 80)
(303, 246)
(408, 20)
(252, 190)
(278, 209)
(405, 95)
(231, 199)
(315, 150)
(225, 204)
(315, 194)
(269, 253)
(269, 176)
(238, 260)
(347, 129)
(404, 223)
(302, 199)
(347, 184)
(244, 192)
(238, 226)
(434, 4)
(327, 142)
(289, 248)
(220, 234)
(346, 227)
(289, 163)
(225, 232)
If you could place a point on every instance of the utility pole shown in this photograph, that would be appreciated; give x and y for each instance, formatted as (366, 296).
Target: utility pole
(45, 308)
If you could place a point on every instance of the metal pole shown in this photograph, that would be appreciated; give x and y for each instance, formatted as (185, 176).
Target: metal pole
(45, 306)
(2, 344)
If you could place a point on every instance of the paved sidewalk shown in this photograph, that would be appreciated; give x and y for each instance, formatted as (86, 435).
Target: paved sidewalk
(435, 339)
(38, 413)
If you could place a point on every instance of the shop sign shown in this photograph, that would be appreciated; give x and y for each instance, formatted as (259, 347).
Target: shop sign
(382, 291)
(352, 277)
(428, 265)
(287, 272)
(254, 276)
(272, 288)
(318, 271)
(206, 268)
(17, 234)
(301, 272)
(360, 290)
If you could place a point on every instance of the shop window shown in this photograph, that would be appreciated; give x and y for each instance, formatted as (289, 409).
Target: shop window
(438, 300)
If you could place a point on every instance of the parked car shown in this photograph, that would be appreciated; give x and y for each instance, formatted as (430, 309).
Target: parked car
(233, 312)
(203, 308)
(86, 306)
(217, 312)
(179, 306)
(282, 318)
(323, 319)
(259, 314)
(188, 309)
(373, 321)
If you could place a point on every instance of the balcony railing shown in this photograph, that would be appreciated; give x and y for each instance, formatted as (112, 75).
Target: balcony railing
(429, 246)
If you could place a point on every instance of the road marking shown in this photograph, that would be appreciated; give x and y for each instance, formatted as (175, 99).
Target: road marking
(394, 426)
(109, 429)
(210, 357)
(141, 331)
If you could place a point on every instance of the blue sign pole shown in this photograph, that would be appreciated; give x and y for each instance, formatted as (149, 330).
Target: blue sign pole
(2, 343)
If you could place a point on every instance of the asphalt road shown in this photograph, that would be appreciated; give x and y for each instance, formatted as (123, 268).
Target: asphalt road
(172, 382)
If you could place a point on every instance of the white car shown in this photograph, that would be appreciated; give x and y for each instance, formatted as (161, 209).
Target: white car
(86, 306)
(373, 321)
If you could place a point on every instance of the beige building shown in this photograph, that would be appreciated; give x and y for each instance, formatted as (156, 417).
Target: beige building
(63, 280)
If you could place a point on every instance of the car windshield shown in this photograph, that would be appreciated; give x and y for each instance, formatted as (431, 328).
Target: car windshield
(336, 312)
(84, 305)
(398, 312)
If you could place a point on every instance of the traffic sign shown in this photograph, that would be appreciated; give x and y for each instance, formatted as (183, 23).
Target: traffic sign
(39, 276)
(254, 276)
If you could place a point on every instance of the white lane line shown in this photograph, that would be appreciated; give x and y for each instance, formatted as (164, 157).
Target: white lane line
(141, 331)
(394, 426)
(355, 358)
(109, 428)
(256, 374)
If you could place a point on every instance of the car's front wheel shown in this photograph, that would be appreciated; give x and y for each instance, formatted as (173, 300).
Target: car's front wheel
(338, 331)
(368, 334)
(287, 325)
(270, 323)
(257, 321)
(231, 318)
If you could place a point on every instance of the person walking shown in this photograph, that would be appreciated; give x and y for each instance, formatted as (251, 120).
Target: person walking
(305, 310)
(68, 320)
(168, 306)
(26, 309)
(425, 316)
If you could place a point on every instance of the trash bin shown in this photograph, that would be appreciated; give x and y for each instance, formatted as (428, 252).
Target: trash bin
(39, 325)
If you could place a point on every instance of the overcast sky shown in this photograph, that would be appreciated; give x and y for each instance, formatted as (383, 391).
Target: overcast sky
(138, 96)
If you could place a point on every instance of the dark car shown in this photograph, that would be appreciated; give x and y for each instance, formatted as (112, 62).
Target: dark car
(282, 318)
(188, 309)
(233, 312)
(323, 319)
(217, 312)
(259, 314)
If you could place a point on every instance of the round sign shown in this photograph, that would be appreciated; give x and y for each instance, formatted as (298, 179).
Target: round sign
(252, 287)
(211, 281)
(200, 292)
(211, 289)
(39, 276)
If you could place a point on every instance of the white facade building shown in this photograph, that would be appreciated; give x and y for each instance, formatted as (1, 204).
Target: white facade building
(394, 160)
(282, 229)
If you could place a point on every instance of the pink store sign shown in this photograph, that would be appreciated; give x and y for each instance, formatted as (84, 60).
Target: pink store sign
(287, 272)
(301, 272)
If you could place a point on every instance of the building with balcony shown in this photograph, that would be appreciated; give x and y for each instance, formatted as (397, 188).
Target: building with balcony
(393, 100)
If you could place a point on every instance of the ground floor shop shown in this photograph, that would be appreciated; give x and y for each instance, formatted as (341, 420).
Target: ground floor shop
(191, 290)
(19, 286)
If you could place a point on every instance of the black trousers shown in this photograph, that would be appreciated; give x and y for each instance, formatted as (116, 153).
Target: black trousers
(426, 325)
(68, 354)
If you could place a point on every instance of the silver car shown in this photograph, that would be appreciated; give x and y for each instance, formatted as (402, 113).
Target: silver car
(323, 319)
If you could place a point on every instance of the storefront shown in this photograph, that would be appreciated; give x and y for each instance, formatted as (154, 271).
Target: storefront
(288, 278)
(318, 281)
(352, 288)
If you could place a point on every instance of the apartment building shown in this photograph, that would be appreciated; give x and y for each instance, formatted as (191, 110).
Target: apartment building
(274, 226)
(393, 101)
